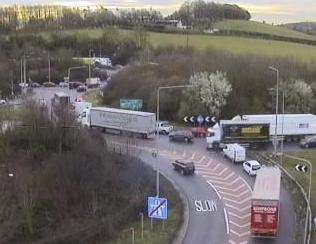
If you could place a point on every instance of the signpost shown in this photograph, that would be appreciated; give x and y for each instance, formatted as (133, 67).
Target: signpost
(301, 167)
(157, 208)
(131, 104)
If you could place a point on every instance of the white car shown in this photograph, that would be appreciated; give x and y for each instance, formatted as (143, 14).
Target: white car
(252, 167)
(164, 127)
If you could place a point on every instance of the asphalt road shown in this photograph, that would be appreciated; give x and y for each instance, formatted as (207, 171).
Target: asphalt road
(232, 194)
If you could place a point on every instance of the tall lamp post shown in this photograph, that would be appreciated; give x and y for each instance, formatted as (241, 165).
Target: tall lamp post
(276, 108)
(157, 134)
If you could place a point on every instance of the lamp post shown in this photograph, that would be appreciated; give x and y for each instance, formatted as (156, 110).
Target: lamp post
(157, 134)
(276, 108)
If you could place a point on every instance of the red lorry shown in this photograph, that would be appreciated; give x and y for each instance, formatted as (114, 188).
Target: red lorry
(265, 203)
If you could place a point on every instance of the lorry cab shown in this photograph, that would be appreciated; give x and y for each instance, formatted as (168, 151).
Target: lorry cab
(213, 136)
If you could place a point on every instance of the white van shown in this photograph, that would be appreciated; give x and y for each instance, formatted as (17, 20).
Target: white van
(235, 152)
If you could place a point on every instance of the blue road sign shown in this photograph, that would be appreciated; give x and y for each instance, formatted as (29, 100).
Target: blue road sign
(131, 104)
(157, 208)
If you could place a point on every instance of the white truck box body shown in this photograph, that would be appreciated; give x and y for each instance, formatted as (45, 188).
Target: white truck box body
(235, 152)
(123, 120)
(81, 107)
(293, 124)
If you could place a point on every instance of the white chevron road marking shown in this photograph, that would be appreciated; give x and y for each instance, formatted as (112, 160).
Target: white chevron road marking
(237, 202)
(238, 209)
(236, 194)
(238, 225)
(240, 234)
(239, 216)
(226, 183)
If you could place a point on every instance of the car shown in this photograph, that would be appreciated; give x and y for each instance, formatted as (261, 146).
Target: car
(181, 136)
(35, 85)
(75, 84)
(251, 167)
(81, 89)
(63, 84)
(308, 142)
(185, 167)
(164, 127)
(49, 84)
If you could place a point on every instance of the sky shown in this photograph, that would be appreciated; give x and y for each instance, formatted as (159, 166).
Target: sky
(271, 11)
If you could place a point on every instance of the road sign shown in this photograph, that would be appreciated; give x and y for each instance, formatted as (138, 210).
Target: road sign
(131, 104)
(192, 119)
(157, 208)
(186, 119)
(301, 167)
(211, 120)
(200, 119)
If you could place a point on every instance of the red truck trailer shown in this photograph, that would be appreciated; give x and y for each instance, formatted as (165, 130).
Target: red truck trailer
(265, 204)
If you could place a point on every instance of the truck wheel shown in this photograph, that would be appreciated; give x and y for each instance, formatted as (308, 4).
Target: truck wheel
(183, 172)
(186, 140)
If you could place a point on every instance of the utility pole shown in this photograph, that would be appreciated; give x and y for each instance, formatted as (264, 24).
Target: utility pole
(276, 109)
(49, 80)
(24, 68)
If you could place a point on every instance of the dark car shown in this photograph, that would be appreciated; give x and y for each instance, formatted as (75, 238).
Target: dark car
(35, 85)
(182, 136)
(185, 167)
(49, 84)
(308, 142)
(75, 84)
(81, 89)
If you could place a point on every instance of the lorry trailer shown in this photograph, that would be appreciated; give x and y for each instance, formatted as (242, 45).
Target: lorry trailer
(265, 203)
(260, 129)
(122, 121)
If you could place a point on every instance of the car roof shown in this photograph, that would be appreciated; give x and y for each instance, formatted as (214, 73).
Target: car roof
(253, 162)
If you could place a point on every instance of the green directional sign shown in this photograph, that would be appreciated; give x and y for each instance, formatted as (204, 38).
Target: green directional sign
(131, 104)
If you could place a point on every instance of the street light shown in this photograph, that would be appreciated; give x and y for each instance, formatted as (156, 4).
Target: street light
(157, 132)
(276, 108)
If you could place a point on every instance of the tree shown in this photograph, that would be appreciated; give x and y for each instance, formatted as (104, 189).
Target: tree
(298, 96)
(212, 89)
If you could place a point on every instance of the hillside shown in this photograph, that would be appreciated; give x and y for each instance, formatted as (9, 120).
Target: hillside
(258, 27)
(305, 27)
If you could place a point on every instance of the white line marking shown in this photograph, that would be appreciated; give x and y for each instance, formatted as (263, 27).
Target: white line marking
(222, 172)
(242, 234)
(192, 157)
(225, 183)
(201, 160)
(238, 216)
(226, 220)
(216, 177)
(214, 188)
(238, 225)
(238, 209)
(215, 168)
(246, 183)
(237, 202)
(235, 194)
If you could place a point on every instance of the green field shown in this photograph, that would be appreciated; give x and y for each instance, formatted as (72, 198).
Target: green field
(258, 27)
(239, 45)
(233, 44)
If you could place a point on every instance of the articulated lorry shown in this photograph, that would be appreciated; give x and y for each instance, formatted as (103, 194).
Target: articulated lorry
(260, 129)
(265, 203)
(122, 121)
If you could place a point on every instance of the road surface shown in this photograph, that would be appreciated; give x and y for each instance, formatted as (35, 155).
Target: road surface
(220, 180)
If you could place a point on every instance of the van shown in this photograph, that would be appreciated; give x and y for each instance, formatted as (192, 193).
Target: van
(235, 152)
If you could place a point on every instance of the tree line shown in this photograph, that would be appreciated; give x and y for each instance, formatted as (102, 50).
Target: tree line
(197, 14)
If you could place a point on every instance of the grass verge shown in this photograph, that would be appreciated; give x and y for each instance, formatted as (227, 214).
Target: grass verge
(162, 231)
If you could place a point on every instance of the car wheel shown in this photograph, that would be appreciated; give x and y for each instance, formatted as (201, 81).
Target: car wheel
(306, 145)
(186, 140)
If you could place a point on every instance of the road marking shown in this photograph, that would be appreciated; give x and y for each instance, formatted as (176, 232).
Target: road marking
(201, 160)
(243, 242)
(235, 194)
(216, 177)
(238, 208)
(214, 188)
(246, 184)
(205, 206)
(226, 221)
(240, 235)
(230, 189)
(238, 216)
(221, 173)
(226, 183)
(238, 225)
(192, 157)
(237, 202)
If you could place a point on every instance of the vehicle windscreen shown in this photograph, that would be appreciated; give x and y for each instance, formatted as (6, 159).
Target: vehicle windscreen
(256, 167)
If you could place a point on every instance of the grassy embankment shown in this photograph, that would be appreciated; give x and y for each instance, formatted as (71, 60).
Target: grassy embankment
(233, 44)
(259, 27)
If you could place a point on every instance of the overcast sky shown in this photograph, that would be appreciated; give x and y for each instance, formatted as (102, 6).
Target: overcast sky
(275, 11)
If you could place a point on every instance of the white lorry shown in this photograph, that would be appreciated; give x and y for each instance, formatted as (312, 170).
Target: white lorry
(235, 152)
(260, 129)
(122, 121)
(93, 82)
